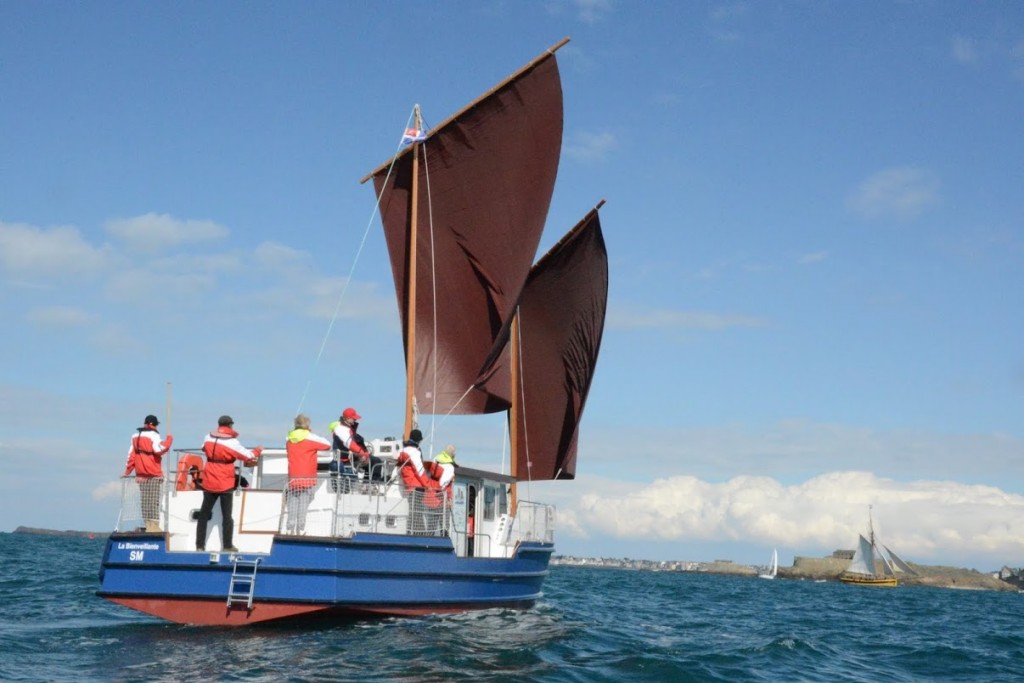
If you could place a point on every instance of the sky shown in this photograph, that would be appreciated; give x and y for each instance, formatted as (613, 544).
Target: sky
(814, 220)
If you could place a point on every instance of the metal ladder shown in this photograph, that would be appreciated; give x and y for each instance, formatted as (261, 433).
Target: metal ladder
(243, 582)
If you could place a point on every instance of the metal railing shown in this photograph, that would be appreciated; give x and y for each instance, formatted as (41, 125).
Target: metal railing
(335, 504)
(130, 517)
(533, 522)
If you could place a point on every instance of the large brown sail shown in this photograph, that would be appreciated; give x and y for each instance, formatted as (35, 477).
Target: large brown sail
(485, 180)
(561, 320)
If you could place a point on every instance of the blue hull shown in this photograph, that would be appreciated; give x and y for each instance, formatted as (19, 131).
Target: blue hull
(303, 577)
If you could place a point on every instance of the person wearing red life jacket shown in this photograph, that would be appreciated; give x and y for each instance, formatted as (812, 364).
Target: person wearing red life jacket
(414, 480)
(410, 462)
(222, 449)
(440, 475)
(302, 447)
(145, 457)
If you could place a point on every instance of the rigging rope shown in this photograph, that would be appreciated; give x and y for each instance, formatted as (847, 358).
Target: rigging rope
(522, 409)
(433, 293)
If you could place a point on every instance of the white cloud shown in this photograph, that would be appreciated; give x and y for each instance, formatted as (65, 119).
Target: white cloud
(47, 252)
(59, 316)
(814, 257)
(276, 256)
(587, 146)
(110, 490)
(361, 300)
(590, 11)
(919, 519)
(902, 193)
(721, 20)
(156, 285)
(118, 341)
(666, 319)
(153, 232)
(965, 50)
(1017, 60)
(971, 51)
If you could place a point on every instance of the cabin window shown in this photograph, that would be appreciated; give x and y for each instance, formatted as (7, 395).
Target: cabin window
(490, 494)
(502, 501)
(364, 519)
(390, 521)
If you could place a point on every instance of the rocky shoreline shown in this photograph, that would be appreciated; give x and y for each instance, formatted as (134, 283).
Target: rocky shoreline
(55, 532)
(809, 569)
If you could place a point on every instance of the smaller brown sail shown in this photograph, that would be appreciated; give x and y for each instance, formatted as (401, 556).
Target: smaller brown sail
(561, 317)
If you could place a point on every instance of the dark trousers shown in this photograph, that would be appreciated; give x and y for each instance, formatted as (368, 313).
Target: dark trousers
(227, 499)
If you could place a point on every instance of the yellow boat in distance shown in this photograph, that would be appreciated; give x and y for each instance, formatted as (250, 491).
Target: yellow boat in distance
(870, 580)
(868, 558)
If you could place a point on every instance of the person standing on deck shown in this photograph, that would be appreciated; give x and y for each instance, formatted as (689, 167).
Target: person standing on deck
(222, 449)
(410, 468)
(145, 458)
(444, 467)
(302, 447)
(439, 487)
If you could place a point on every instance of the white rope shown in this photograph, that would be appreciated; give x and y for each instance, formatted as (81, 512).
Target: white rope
(522, 409)
(351, 272)
(433, 291)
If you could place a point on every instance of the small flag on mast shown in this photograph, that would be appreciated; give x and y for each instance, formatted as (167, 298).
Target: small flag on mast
(413, 135)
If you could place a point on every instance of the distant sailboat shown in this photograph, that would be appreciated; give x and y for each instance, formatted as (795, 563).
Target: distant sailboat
(771, 570)
(868, 557)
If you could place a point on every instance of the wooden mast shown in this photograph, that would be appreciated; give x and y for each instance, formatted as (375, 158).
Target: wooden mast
(410, 339)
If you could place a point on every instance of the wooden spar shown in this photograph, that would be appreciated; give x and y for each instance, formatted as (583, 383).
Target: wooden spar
(514, 411)
(410, 338)
(167, 417)
(548, 53)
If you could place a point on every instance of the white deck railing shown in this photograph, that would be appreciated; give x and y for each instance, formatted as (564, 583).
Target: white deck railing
(334, 505)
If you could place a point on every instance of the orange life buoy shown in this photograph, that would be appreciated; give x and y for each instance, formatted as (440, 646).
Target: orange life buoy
(190, 472)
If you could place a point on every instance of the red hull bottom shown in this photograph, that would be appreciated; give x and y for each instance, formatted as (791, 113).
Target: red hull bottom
(216, 613)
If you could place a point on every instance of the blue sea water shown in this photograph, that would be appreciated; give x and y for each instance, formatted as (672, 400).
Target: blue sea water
(592, 625)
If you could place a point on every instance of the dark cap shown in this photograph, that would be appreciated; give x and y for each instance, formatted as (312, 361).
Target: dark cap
(225, 421)
(151, 420)
(416, 435)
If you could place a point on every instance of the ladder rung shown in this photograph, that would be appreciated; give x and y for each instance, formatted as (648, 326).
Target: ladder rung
(243, 582)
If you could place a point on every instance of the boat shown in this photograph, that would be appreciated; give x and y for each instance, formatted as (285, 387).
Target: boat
(490, 332)
(770, 570)
(873, 565)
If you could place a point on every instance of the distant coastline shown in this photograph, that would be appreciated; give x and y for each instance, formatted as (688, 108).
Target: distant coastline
(55, 532)
(814, 569)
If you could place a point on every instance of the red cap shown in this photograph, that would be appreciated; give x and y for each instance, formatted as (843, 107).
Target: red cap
(351, 414)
